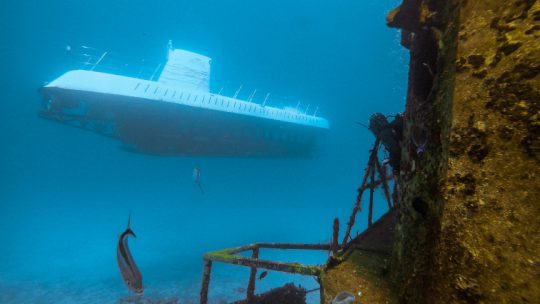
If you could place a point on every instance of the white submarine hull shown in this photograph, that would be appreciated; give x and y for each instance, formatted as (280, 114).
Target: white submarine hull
(177, 115)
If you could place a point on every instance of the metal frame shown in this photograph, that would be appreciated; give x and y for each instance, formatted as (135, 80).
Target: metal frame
(374, 167)
(229, 256)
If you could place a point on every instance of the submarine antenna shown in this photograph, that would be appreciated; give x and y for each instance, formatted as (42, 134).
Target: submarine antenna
(316, 109)
(250, 98)
(99, 60)
(155, 71)
(265, 99)
(219, 93)
(307, 108)
(140, 68)
(238, 91)
(297, 105)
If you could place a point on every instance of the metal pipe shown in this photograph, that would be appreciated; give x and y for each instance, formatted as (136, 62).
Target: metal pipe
(371, 192)
(207, 269)
(252, 276)
(335, 236)
(294, 246)
(265, 99)
(270, 265)
(237, 91)
(99, 60)
(252, 95)
(361, 189)
(384, 182)
(155, 71)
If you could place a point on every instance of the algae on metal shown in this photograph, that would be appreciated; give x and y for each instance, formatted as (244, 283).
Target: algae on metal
(468, 230)
(362, 273)
(490, 247)
(229, 256)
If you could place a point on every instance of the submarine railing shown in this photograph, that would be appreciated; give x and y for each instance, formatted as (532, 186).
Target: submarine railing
(94, 59)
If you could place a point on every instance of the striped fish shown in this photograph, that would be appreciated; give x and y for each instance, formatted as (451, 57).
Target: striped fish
(130, 273)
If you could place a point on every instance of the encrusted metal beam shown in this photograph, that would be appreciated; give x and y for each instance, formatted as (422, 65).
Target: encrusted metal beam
(335, 236)
(357, 205)
(252, 276)
(207, 269)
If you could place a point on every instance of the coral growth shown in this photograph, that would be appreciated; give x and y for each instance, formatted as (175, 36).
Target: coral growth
(468, 216)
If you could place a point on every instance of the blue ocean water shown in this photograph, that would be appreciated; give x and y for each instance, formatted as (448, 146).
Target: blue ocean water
(65, 194)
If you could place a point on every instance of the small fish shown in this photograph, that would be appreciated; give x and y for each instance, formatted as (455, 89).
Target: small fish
(263, 275)
(240, 290)
(419, 138)
(130, 273)
(197, 178)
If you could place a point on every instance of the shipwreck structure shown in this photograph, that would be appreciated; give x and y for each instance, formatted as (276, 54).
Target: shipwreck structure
(174, 113)
(467, 222)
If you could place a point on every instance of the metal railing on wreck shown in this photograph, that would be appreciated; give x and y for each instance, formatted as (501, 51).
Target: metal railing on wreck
(230, 256)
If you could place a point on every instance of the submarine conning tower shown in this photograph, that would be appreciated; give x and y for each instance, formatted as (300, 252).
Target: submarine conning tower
(186, 69)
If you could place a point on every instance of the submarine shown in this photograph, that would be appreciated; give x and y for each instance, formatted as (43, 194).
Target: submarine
(176, 114)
